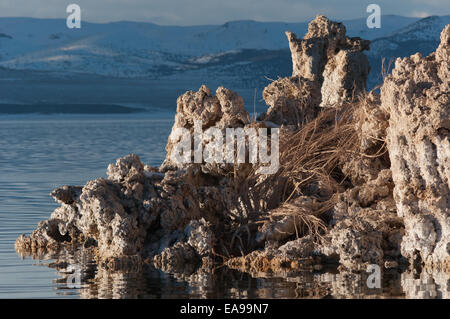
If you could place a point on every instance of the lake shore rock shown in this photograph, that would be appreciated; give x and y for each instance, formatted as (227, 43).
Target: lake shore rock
(379, 197)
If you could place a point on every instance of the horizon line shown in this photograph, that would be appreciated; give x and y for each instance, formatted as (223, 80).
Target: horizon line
(197, 25)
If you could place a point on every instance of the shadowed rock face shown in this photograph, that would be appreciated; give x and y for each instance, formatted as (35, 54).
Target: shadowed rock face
(292, 101)
(417, 98)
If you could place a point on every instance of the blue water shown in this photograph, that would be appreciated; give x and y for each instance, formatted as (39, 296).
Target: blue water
(39, 153)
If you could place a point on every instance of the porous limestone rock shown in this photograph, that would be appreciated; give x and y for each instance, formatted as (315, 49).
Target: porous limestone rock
(176, 216)
(224, 110)
(365, 227)
(417, 98)
(331, 59)
(194, 247)
(292, 101)
(200, 236)
(344, 77)
(329, 69)
(135, 213)
(189, 194)
(108, 213)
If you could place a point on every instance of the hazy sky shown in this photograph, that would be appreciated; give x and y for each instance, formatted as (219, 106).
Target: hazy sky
(191, 12)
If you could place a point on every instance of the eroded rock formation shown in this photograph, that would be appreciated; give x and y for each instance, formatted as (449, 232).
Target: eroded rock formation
(292, 101)
(379, 196)
(135, 212)
(366, 229)
(329, 69)
(324, 40)
(417, 98)
(224, 110)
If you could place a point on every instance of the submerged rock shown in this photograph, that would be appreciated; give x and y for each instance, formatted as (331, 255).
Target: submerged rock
(426, 285)
(293, 256)
(193, 249)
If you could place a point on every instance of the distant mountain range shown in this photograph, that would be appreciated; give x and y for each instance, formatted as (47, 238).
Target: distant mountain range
(48, 108)
(243, 53)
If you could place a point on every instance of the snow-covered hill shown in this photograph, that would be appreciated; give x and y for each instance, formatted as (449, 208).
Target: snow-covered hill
(421, 36)
(130, 49)
(245, 53)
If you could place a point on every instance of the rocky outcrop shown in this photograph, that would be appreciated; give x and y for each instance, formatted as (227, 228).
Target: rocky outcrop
(373, 188)
(417, 98)
(108, 213)
(136, 211)
(329, 69)
(323, 40)
(291, 101)
(329, 58)
(224, 110)
(365, 227)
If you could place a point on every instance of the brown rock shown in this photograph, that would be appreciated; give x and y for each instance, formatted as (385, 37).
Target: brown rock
(292, 101)
(417, 98)
(329, 58)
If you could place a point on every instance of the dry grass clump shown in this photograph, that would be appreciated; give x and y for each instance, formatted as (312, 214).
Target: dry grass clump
(305, 222)
(311, 160)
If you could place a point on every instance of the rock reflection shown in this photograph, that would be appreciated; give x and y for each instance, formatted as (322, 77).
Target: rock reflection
(148, 282)
(429, 284)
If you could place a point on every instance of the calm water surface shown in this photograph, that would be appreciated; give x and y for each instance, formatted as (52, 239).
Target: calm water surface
(39, 153)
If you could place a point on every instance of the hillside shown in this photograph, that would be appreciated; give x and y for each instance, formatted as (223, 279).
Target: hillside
(244, 55)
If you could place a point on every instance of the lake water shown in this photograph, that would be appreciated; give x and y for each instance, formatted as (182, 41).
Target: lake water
(41, 152)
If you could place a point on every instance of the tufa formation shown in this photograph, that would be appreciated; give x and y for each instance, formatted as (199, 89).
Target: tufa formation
(364, 178)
